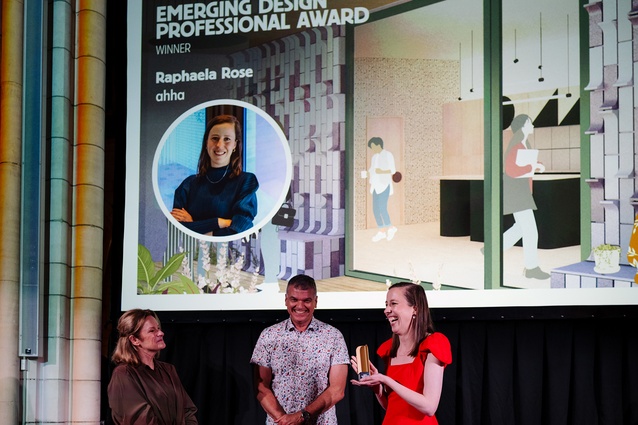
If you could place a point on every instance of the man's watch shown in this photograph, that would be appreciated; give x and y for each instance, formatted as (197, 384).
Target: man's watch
(305, 416)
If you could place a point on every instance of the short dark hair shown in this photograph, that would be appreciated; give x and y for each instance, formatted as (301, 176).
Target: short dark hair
(303, 282)
(375, 141)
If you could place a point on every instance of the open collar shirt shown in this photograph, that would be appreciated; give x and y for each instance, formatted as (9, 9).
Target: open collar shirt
(300, 362)
(380, 182)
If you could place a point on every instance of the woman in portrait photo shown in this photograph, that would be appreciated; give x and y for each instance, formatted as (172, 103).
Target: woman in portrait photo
(221, 199)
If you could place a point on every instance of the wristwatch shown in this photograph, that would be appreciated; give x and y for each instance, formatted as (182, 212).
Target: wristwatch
(305, 415)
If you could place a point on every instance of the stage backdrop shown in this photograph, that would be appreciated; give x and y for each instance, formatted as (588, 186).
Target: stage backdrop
(523, 366)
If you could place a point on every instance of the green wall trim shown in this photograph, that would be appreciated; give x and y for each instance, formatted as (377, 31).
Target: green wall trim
(493, 135)
(585, 148)
(493, 118)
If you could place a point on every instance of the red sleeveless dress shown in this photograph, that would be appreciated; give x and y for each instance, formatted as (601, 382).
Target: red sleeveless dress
(410, 375)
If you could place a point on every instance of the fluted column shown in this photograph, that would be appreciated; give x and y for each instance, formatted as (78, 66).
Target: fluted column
(88, 215)
(53, 370)
(10, 170)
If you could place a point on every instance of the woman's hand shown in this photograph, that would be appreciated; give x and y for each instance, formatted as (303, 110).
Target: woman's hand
(355, 366)
(224, 222)
(375, 380)
(353, 363)
(538, 167)
(372, 380)
(180, 214)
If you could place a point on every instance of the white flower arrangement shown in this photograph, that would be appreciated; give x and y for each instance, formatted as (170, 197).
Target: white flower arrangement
(220, 273)
(202, 280)
(252, 288)
(230, 282)
(186, 270)
(413, 277)
(436, 285)
(215, 269)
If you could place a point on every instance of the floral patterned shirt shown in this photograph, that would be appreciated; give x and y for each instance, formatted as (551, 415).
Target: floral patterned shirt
(300, 362)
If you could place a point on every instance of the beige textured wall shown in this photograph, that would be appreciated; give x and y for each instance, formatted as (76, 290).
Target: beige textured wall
(559, 146)
(415, 89)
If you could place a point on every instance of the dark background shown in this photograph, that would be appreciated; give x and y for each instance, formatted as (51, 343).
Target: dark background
(551, 365)
(510, 366)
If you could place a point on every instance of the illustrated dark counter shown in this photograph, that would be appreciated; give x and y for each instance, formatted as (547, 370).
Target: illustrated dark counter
(557, 198)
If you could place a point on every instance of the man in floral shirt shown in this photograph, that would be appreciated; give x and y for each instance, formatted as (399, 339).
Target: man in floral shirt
(301, 363)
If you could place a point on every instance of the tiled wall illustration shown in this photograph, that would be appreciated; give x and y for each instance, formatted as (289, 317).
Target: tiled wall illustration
(612, 175)
(299, 82)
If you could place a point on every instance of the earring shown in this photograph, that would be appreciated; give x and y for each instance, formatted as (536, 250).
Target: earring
(413, 316)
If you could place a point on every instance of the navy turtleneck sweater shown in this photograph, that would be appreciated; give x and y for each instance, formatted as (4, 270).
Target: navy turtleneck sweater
(216, 195)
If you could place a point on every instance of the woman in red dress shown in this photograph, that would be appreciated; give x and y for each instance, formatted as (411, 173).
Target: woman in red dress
(415, 358)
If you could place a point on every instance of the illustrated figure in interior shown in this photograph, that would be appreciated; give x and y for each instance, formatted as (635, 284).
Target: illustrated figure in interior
(380, 176)
(520, 164)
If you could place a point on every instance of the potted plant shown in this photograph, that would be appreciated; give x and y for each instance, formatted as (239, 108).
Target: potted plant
(607, 258)
(157, 279)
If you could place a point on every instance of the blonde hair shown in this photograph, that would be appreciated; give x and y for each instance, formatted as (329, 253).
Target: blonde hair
(130, 324)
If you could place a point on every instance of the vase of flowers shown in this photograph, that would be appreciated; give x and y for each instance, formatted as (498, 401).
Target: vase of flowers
(607, 258)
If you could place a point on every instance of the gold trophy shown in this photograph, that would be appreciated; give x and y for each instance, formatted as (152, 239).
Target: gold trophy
(363, 361)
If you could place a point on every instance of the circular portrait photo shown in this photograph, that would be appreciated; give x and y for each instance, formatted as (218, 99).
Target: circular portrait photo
(222, 170)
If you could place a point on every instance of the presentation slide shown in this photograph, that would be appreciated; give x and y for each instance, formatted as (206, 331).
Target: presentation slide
(344, 140)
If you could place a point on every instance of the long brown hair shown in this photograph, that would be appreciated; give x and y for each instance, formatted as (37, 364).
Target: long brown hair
(422, 325)
(203, 164)
(130, 323)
